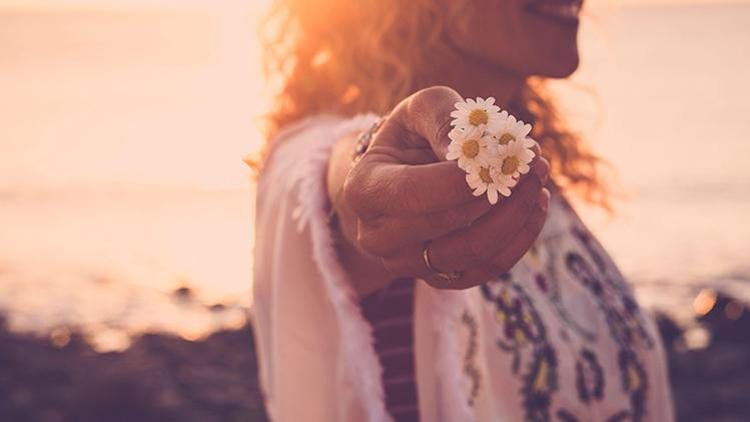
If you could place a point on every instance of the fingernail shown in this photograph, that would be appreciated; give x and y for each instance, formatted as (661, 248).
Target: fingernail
(543, 200)
(542, 172)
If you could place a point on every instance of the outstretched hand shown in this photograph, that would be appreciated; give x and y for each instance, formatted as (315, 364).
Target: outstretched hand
(405, 197)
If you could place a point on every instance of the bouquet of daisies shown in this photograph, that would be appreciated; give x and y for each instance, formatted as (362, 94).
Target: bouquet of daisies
(491, 146)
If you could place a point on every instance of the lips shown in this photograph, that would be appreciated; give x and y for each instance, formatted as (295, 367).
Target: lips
(562, 11)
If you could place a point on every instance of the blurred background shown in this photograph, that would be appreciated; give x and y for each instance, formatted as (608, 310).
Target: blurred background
(125, 207)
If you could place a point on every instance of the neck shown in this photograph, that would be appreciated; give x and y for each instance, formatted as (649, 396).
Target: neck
(473, 77)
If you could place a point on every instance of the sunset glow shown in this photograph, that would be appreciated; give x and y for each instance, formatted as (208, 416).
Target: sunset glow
(128, 121)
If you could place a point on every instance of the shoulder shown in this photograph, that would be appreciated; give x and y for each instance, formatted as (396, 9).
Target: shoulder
(304, 139)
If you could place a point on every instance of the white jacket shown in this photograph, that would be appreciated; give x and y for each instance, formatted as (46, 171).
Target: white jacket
(558, 338)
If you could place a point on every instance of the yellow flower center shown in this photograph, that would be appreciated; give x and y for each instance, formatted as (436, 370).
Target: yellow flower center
(484, 174)
(510, 165)
(505, 139)
(478, 117)
(470, 148)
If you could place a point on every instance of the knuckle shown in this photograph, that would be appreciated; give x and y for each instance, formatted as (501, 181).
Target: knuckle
(359, 194)
(368, 241)
(371, 239)
(434, 93)
(370, 244)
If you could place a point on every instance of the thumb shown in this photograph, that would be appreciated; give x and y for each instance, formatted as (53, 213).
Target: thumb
(426, 117)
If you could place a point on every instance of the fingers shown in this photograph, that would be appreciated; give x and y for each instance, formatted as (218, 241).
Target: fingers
(475, 269)
(488, 234)
(410, 189)
(491, 232)
(466, 236)
(384, 233)
(383, 236)
(427, 114)
(417, 126)
(413, 188)
(422, 121)
(511, 252)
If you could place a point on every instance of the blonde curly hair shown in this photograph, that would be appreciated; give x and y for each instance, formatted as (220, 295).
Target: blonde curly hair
(350, 57)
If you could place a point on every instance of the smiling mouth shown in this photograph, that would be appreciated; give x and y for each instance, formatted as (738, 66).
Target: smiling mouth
(562, 11)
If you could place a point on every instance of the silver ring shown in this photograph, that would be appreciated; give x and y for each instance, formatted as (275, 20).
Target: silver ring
(449, 276)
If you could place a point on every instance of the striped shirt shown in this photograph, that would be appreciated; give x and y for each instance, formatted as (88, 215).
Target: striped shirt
(390, 312)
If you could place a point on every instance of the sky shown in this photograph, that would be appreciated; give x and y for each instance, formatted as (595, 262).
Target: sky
(186, 4)
(169, 92)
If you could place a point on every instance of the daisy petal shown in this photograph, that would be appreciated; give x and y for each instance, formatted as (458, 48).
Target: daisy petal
(492, 196)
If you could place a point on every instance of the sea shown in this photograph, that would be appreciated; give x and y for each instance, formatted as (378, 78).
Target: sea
(125, 205)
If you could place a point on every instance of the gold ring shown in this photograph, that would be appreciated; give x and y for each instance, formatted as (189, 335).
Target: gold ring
(449, 276)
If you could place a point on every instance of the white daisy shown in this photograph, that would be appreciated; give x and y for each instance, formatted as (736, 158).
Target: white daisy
(487, 179)
(469, 147)
(479, 113)
(509, 130)
(515, 158)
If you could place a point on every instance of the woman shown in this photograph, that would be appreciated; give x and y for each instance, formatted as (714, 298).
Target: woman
(383, 289)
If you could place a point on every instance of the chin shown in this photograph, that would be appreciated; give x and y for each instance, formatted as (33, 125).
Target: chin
(552, 62)
(562, 67)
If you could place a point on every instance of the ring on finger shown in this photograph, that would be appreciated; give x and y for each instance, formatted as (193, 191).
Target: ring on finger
(450, 277)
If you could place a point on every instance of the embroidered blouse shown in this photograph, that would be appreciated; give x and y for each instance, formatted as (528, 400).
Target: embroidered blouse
(558, 338)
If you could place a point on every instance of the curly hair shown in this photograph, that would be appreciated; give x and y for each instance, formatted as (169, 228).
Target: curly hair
(350, 57)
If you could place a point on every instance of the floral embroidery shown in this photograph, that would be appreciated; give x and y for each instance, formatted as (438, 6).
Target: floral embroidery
(523, 329)
(589, 377)
(470, 368)
(551, 288)
(626, 326)
(634, 382)
(613, 289)
(539, 384)
(523, 333)
(621, 313)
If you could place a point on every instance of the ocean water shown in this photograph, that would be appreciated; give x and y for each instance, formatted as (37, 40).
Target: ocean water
(121, 135)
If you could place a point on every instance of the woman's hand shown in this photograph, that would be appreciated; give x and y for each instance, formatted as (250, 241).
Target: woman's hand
(402, 197)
